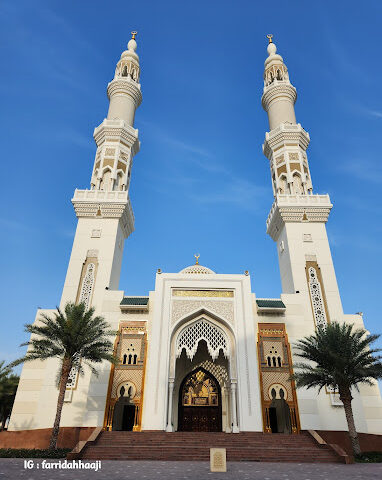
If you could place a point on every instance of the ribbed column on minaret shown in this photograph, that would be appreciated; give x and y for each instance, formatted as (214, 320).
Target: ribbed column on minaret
(105, 216)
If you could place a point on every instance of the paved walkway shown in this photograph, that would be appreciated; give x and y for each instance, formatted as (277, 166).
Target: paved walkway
(144, 470)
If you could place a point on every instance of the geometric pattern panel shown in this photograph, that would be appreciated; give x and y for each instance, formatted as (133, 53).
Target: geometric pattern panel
(269, 378)
(134, 376)
(130, 346)
(273, 349)
(223, 308)
(317, 300)
(190, 337)
(87, 285)
(218, 371)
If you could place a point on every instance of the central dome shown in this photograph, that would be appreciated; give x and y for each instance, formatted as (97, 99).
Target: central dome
(198, 269)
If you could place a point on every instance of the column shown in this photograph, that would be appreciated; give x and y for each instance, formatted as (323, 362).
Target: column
(170, 401)
(226, 401)
(235, 428)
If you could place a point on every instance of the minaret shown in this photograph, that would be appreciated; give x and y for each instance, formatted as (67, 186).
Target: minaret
(297, 218)
(105, 216)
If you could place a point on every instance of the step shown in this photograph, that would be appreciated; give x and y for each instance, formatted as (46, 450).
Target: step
(194, 446)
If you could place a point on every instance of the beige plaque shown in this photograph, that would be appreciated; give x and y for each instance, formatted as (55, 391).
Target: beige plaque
(218, 460)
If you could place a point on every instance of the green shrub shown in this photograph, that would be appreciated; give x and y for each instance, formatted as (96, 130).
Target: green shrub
(369, 457)
(33, 453)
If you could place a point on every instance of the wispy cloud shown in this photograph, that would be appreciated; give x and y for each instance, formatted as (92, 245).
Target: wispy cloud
(362, 110)
(75, 138)
(203, 179)
(238, 191)
(374, 113)
(363, 170)
(7, 224)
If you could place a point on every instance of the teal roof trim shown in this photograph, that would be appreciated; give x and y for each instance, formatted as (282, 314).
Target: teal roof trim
(270, 303)
(135, 301)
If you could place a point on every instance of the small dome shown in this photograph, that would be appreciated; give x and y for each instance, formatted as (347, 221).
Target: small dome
(271, 49)
(198, 269)
(132, 45)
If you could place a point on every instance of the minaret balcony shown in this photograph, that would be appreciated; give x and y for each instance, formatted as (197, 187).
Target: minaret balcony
(100, 196)
(285, 134)
(297, 208)
(105, 204)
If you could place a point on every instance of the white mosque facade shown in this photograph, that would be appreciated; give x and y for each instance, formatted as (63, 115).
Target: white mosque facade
(201, 352)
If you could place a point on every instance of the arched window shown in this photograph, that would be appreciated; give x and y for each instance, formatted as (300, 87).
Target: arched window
(118, 182)
(124, 359)
(135, 359)
(279, 361)
(274, 361)
(283, 185)
(269, 361)
(298, 188)
(130, 357)
(124, 71)
(105, 181)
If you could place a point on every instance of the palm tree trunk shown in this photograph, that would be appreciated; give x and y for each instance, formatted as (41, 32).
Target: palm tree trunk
(66, 367)
(346, 399)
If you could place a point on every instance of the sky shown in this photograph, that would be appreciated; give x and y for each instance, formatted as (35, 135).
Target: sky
(200, 183)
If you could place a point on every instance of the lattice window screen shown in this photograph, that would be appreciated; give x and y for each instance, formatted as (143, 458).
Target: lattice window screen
(317, 300)
(189, 339)
(87, 285)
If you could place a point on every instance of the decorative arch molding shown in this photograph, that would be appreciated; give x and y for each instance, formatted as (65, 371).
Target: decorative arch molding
(209, 315)
(189, 338)
(218, 322)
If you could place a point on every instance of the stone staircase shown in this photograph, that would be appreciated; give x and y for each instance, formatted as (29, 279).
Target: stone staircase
(194, 446)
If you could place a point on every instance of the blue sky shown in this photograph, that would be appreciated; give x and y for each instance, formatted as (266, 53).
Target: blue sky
(200, 182)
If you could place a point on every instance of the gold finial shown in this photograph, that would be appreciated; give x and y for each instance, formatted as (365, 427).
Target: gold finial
(197, 255)
(133, 33)
(269, 37)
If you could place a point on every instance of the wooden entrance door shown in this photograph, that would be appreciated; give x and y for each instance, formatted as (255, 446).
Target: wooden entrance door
(200, 403)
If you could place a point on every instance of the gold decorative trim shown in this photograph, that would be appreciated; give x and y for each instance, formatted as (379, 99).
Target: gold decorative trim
(264, 331)
(272, 331)
(202, 293)
(110, 402)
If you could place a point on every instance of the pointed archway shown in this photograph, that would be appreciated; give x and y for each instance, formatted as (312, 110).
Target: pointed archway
(200, 403)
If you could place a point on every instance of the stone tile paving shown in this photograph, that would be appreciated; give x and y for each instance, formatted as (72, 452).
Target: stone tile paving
(13, 468)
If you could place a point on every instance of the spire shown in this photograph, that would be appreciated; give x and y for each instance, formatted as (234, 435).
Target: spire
(286, 143)
(275, 69)
(279, 94)
(128, 65)
(116, 137)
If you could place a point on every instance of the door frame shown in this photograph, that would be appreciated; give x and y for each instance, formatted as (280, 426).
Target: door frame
(180, 399)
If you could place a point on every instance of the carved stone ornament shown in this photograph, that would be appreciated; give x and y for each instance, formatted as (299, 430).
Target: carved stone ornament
(317, 300)
(87, 285)
(190, 337)
(222, 308)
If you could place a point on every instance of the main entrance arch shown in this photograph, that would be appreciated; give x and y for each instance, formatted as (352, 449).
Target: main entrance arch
(200, 403)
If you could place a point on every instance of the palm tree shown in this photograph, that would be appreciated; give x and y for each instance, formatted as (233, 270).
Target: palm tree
(4, 370)
(8, 387)
(339, 357)
(76, 337)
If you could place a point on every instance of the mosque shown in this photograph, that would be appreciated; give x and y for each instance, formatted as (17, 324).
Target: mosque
(200, 353)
